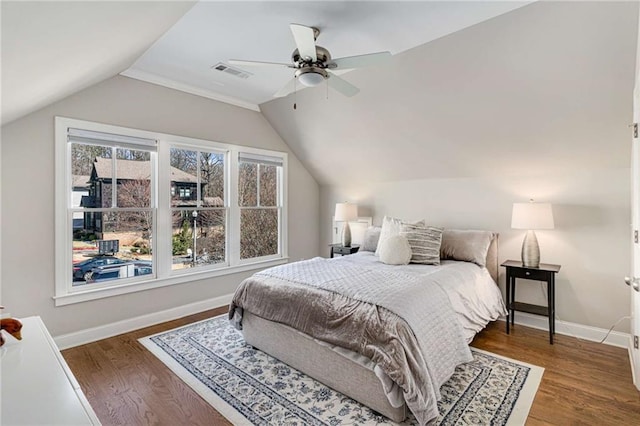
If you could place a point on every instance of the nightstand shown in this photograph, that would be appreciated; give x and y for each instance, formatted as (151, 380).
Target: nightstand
(545, 272)
(340, 249)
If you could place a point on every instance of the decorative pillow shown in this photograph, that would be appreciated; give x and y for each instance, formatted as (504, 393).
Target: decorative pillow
(371, 237)
(466, 245)
(425, 243)
(390, 226)
(395, 250)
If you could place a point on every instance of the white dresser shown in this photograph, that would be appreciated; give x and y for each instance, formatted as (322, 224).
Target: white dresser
(37, 386)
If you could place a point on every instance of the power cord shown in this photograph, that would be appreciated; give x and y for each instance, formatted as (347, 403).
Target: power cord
(544, 293)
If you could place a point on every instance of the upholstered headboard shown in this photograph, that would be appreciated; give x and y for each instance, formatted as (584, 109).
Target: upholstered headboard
(492, 258)
(457, 244)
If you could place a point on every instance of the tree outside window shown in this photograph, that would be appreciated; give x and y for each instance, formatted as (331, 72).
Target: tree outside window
(259, 207)
(201, 240)
(116, 206)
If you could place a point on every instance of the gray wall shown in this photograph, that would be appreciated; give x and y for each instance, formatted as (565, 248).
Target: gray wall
(28, 196)
(591, 239)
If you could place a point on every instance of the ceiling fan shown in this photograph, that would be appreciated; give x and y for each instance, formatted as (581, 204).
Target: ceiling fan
(314, 65)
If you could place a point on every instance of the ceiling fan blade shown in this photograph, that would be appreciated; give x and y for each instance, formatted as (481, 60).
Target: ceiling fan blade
(288, 88)
(361, 60)
(341, 85)
(257, 63)
(305, 41)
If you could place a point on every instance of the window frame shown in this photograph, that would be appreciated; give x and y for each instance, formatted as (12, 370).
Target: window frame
(279, 207)
(66, 294)
(191, 144)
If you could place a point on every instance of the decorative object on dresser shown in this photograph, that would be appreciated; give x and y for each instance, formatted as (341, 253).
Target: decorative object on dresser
(531, 216)
(11, 326)
(344, 213)
(543, 272)
(247, 386)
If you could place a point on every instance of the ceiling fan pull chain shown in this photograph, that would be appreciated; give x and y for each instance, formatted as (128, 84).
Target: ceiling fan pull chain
(295, 93)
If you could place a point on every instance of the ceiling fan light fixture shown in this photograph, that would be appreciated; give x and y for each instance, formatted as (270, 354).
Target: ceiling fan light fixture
(311, 76)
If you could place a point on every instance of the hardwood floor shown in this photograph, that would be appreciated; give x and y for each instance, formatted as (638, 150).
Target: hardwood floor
(584, 383)
(127, 385)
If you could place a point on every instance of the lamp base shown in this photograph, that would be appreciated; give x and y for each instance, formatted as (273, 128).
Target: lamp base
(530, 251)
(346, 235)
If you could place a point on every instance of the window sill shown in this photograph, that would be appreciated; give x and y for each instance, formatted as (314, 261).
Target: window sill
(100, 293)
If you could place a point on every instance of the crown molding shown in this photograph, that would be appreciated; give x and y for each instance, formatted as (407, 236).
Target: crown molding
(198, 91)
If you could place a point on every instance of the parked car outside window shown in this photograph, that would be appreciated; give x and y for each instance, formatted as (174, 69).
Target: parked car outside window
(82, 270)
(121, 270)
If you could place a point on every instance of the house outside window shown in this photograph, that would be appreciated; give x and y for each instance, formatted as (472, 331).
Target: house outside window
(199, 212)
(119, 205)
(139, 209)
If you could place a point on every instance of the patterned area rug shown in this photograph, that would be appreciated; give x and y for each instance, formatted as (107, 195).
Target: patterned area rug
(249, 387)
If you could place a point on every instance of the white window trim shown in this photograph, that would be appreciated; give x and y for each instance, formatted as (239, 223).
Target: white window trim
(282, 208)
(66, 294)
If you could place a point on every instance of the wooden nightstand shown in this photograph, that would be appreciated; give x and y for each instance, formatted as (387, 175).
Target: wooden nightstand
(340, 249)
(545, 272)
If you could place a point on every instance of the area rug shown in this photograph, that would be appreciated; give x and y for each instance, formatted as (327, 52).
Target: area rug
(249, 387)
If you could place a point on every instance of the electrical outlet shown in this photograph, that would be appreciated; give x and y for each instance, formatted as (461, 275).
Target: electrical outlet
(635, 342)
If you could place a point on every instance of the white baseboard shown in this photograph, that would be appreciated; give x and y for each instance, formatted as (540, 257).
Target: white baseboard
(572, 329)
(633, 368)
(77, 338)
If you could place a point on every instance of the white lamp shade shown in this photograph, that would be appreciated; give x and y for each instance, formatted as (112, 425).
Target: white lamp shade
(346, 212)
(532, 216)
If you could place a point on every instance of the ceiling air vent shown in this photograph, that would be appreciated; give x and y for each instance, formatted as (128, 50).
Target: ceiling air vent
(231, 70)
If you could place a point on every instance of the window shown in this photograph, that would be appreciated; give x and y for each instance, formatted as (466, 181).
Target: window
(260, 204)
(185, 192)
(137, 210)
(118, 206)
(199, 213)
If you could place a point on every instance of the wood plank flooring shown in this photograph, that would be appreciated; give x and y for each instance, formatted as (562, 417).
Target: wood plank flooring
(584, 383)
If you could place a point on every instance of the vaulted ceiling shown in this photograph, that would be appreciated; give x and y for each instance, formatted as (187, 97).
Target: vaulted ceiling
(215, 32)
(52, 49)
(546, 88)
(473, 89)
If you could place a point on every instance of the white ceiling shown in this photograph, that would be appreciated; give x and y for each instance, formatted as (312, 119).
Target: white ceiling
(213, 32)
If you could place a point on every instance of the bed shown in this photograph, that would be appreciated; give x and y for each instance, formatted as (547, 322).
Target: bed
(391, 354)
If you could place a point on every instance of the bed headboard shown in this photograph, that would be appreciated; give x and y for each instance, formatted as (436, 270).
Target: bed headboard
(492, 258)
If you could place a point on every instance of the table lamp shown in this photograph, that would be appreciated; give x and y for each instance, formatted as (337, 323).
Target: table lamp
(531, 216)
(344, 213)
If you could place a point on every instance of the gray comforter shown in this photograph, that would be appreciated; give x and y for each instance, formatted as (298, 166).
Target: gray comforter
(403, 322)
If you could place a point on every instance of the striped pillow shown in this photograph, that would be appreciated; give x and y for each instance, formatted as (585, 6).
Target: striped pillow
(425, 243)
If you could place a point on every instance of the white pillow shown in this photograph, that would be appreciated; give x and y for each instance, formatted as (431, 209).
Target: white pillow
(395, 250)
(370, 240)
(391, 226)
